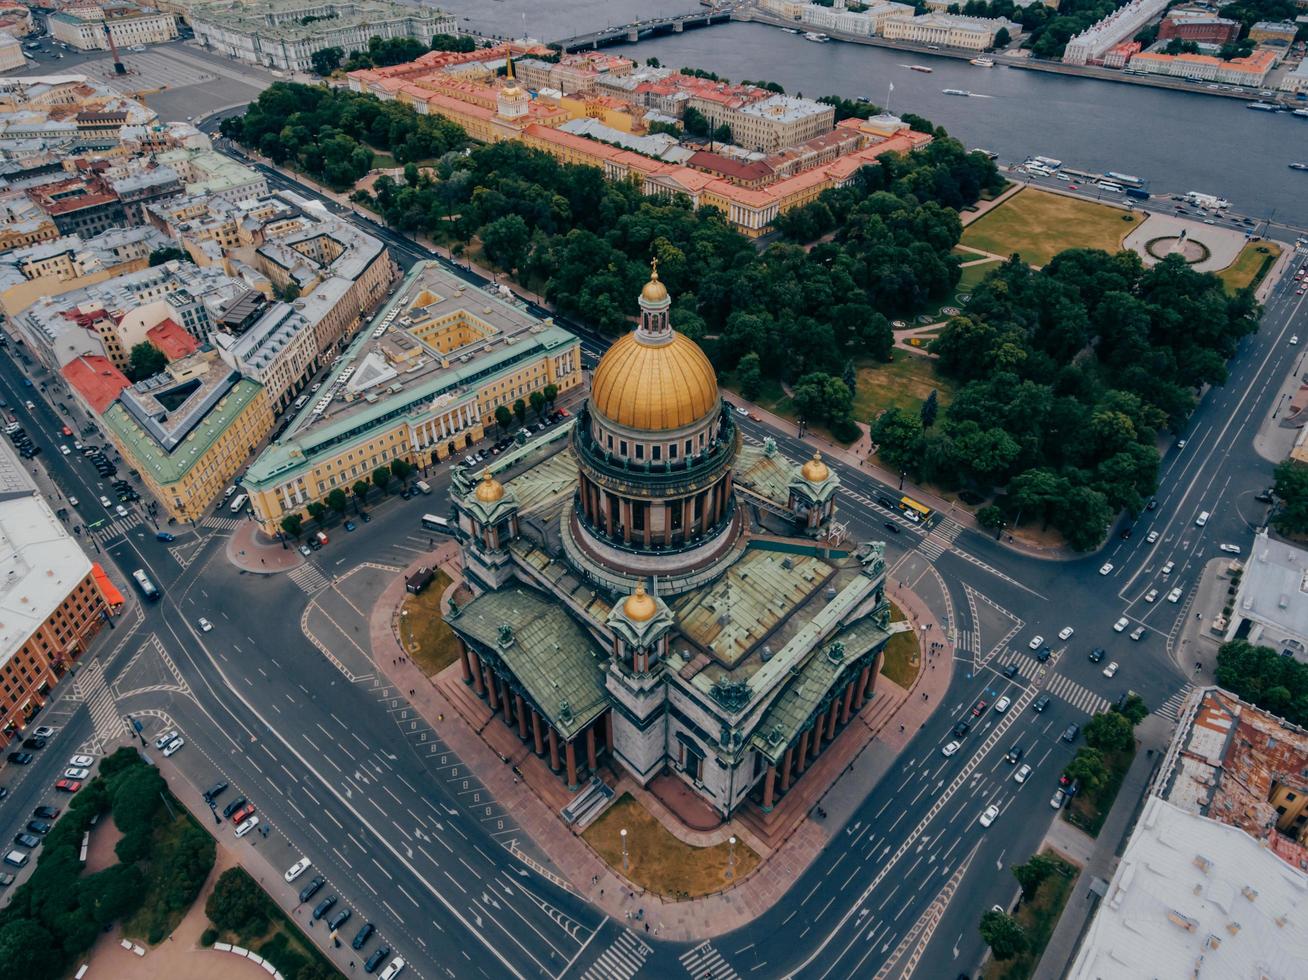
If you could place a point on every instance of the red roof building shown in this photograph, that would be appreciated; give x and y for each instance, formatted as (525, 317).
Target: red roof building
(96, 381)
(172, 339)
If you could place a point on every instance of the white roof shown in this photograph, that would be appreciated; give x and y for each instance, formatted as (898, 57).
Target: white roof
(40, 563)
(1275, 587)
(1196, 898)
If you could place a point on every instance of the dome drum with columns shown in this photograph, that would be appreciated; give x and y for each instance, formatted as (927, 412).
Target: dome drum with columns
(731, 646)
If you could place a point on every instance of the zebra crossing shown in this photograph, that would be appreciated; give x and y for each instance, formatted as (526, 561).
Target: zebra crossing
(308, 578)
(621, 961)
(118, 527)
(1171, 708)
(704, 962)
(222, 523)
(91, 688)
(1077, 696)
(941, 536)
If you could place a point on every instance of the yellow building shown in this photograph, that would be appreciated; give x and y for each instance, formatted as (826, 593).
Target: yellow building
(189, 431)
(420, 383)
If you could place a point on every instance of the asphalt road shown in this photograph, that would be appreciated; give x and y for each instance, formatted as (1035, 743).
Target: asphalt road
(343, 771)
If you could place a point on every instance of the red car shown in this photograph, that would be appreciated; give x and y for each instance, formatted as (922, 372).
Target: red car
(67, 431)
(243, 814)
(68, 785)
(979, 708)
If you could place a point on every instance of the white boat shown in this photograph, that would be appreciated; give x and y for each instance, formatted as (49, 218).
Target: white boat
(1299, 166)
(790, 30)
(983, 62)
(956, 91)
(922, 68)
(1301, 112)
(819, 38)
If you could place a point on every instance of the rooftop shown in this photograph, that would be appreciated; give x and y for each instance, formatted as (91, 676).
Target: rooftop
(96, 379)
(172, 340)
(1274, 590)
(299, 20)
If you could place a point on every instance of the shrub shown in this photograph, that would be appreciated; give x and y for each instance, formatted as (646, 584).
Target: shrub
(278, 952)
(237, 904)
(209, 937)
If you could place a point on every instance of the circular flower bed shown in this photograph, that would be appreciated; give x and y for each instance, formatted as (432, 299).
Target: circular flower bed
(1189, 249)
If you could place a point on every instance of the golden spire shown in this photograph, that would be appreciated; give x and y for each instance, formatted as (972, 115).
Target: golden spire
(815, 471)
(639, 607)
(508, 57)
(489, 489)
(654, 291)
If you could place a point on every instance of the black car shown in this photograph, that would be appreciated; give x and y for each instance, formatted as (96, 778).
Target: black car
(363, 935)
(46, 812)
(1040, 703)
(961, 729)
(365, 516)
(21, 758)
(233, 806)
(323, 907)
(39, 827)
(1014, 754)
(311, 889)
(216, 789)
(891, 526)
(27, 840)
(377, 958)
(1071, 732)
(1042, 654)
(1096, 655)
(34, 742)
(339, 919)
(886, 502)
(1010, 671)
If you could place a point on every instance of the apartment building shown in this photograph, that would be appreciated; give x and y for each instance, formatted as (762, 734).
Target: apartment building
(84, 204)
(206, 172)
(61, 265)
(948, 30)
(11, 52)
(1251, 71)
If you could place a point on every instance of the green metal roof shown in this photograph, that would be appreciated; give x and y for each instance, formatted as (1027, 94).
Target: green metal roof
(552, 657)
(169, 467)
(767, 474)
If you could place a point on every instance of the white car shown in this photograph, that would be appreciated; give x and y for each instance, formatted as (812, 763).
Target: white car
(76, 772)
(1151, 595)
(173, 746)
(297, 869)
(1137, 633)
(1105, 568)
(742, 411)
(44, 731)
(204, 624)
(73, 501)
(1035, 642)
(1174, 595)
(1111, 669)
(245, 826)
(393, 970)
(165, 738)
(108, 504)
(1066, 633)
(1151, 537)
(82, 761)
(987, 818)
(1202, 519)
(1002, 704)
(1121, 624)
(121, 511)
(1294, 339)
(949, 749)
(1056, 801)
(1230, 549)
(1021, 774)
(65, 450)
(1167, 569)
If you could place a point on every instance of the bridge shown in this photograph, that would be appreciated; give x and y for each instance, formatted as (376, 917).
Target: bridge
(641, 29)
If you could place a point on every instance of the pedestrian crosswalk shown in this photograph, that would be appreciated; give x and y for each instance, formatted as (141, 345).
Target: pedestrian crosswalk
(1171, 708)
(308, 578)
(118, 527)
(91, 688)
(938, 540)
(222, 523)
(1081, 698)
(621, 961)
(706, 963)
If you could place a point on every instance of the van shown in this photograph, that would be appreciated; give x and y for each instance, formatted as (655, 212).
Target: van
(320, 538)
(16, 858)
(238, 503)
(423, 487)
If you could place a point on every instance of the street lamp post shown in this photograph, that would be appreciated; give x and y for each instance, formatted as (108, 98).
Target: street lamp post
(999, 531)
(902, 474)
(623, 834)
(731, 856)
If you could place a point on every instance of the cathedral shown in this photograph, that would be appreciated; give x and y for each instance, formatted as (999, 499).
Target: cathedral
(653, 593)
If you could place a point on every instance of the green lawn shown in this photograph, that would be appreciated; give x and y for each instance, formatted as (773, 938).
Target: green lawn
(383, 161)
(1038, 225)
(1247, 269)
(1038, 917)
(903, 657)
(1089, 809)
(967, 281)
(429, 642)
(903, 383)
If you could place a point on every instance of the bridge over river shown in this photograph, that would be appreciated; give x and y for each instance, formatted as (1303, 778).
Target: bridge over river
(642, 29)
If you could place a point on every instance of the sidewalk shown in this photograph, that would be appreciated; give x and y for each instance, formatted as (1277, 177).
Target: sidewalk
(250, 549)
(1197, 643)
(789, 840)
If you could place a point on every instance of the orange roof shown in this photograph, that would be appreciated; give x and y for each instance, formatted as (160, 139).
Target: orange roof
(95, 379)
(172, 339)
(107, 588)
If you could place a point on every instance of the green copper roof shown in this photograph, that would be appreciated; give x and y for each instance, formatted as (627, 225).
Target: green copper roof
(168, 467)
(561, 668)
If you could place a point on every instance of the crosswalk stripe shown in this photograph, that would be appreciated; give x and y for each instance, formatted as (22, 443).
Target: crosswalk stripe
(222, 523)
(705, 961)
(1171, 708)
(622, 960)
(1077, 696)
(309, 578)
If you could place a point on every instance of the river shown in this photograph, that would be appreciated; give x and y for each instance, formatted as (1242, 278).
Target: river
(1178, 141)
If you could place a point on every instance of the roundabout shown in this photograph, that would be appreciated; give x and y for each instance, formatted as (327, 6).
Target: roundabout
(1191, 250)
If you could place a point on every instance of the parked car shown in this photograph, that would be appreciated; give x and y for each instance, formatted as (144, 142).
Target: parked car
(311, 889)
(1137, 633)
(1056, 801)
(34, 742)
(375, 960)
(1174, 595)
(44, 731)
(68, 785)
(1151, 595)
(297, 869)
(323, 907)
(21, 758)
(362, 936)
(233, 806)
(1121, 624)
(27, 840)
(172, 747)
(83, 761)
(76, 772)
(165, 738)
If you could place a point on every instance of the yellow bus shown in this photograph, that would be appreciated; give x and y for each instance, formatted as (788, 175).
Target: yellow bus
(913, 510)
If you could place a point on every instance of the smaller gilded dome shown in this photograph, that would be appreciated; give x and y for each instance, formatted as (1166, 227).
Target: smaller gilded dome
(639, 606)
(489, 489)
(815, 471)
(654, 291)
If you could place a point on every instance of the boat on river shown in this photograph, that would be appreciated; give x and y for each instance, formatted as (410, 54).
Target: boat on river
(983, 62)
(819, 38)
(790, 30)
(922, 68)
(956, 91)
(1299, 166)
(1301, 113)
(1264, 106)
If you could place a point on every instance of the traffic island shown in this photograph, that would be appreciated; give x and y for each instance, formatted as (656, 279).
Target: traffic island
(1037, 917)
(251, 550)
(422, 631)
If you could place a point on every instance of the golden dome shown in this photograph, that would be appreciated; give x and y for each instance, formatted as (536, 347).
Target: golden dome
(639, 607)
(654, 291)
(815, 471)
(489, 489)
(654, 386)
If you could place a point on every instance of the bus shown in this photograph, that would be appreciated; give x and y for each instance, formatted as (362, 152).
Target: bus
(1109, 186)
(913, 510)
(431, 522)
(148, 588)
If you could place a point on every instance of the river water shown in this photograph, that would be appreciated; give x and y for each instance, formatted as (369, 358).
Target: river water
(1178, 141)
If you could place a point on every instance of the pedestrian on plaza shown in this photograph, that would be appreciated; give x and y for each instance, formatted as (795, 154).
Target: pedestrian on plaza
(901, 728)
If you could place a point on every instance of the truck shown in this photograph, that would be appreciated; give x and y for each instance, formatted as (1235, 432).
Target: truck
(1137, 192)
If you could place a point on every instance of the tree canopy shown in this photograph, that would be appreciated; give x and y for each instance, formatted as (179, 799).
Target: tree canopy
(1262, 676)
(145, 361)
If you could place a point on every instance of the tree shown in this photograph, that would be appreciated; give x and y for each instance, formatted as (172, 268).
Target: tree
(503, 417)
(551, 392)
(1110, 732)
(930, 408)
(337, 500)
(1033, 873)
(317, 511)
(27, 949)
(898, 437)
(653, 63)
(537, 403)
(1002, 934)
(168, 254)
(990, 517)
(360, 491)
(145, 361)
(326, 60)
(1002, 38)
(822, 398)
(1088, 768)
(748, 375)
(1291, 487)
(506, 242)
(293, 525)
(1133, 709)
(520, 410)
(237, 904)
(381, 478)
(401, 469)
